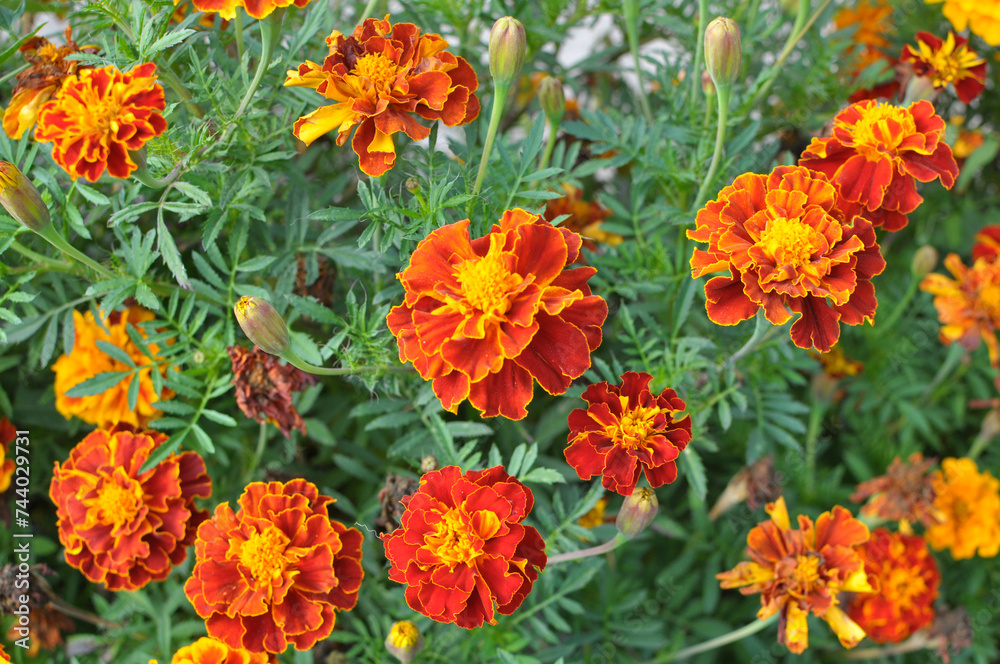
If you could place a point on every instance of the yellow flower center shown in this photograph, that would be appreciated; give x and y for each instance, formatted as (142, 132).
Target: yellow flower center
(988, 300)
(104, 113)
(244, 305)
(7, 178)
(881, 129)
(789, 241)
(635, 425)
(949, 64)
(805, 575)
(378, 69)
(404, 634)
(486, 283)
(264, 555)
(902, 586)
(117, 505)
(454, 540)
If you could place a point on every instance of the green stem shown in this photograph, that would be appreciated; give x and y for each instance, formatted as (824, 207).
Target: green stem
(720, 138)
(901, 306)
(50, 263)
(631, 8)
(142, 174)
(800, 20)
(598, 550)
(292, 358)
(168, 75)
(819, 407)
(499, 100)
(57, 241)
(719, 641)
(240, 46)
(699, 51)
(979, 444)
(270, 32)
(367, 11)
(549, 147)
(761, 327)
(954, 357)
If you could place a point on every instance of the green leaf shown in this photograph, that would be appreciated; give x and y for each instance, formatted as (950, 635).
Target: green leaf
(172, 257)
(694, 470)
(542, 475)
(218, 418)
(133, 391)
(115, 352)
(97, 384)
(166, 41)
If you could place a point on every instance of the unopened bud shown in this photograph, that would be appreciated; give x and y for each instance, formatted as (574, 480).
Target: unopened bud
(707, 85)
(404, 641)
(508, 45)
(20, 198)
(924, 261)
(723, 51)
(412, 184)
(428, 463)
(552, 99)
(637, 512)
(262, 324)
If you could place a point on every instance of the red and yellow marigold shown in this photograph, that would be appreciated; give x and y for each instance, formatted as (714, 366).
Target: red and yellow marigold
(803, 571)
(485, 318)
(907, 580)
(986, 243)
(275, 572)
(255, 8)
(379, 77)
(207, 650)
(969, 502)
(969, 304)
(4, 657)
(461, 549)
(87, 360)
(99, 116)
(791, 244)
(948, 61)
(982, 17)
(877, 153)
(7, 436)
(626, 431)
(119, 526)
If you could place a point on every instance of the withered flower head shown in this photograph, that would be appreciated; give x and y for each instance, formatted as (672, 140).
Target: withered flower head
(397, 487)
(953, 628)
(264, 387)
(904, 494)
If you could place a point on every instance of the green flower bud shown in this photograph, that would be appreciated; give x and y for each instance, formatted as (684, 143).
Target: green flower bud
(20, 198)
(428, 463)
(723, 51)
(262, 325)
(637, 512)
(507, 48)
(404, 641)
(790, 6)
(924, 261)
(412, 184)
(552, 99)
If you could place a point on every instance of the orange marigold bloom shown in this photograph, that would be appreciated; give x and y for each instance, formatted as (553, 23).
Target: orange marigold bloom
(121, 527)
(484, 318)
(207, 650)
(461, 549)
(4, 657)
(876, 154)
(987, 243)
(948, 61)
(276, 571)
(595, 517)
(256, 8)
(802, 571)
(907, 580)
(626, 431)
(969, 304)
(872, 20)
(836, 365)
(99, 116)
(7, 435)
(379, 77)
(789, 242)
(970, 503)
(585, 217)
(904, 494)
(87, 360)
(982, 17)
(47, 69)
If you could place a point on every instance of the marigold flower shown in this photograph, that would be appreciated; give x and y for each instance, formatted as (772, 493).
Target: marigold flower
(264, 388)
(584, 218)
(836, 364)
(872, 21)
(461, 549)
(986, 243)
(276, 571)
(948, 61)
(47, 69)
(87, 360)
(99, 116)
(982, 17)
(120, 527)
(256, 8)
(803, 571)
(378, 77)
(404, 641)
(207, 650)
(790, 242)
(908, 580)
(21, 199)
(595, 517)
(7, 435)
(485, 318)
(904, 494)
(876, 154)
(4, 657)
(970, 503)
(969, 304)
(626, 431)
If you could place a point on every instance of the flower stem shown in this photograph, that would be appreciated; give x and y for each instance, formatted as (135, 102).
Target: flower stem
(720, 138)
(979, 444)
(142, 174)
(699, 51)
(175, 84)
(292, 358)
(631, 10)
(719, 641)
(57, 241)
(367, 11)
(819, 407)
(608, 546)
(901, 306)
(240, 46)
(499, 100)
(761, 328)
(549, 147)
(50, 263)
(270, 31)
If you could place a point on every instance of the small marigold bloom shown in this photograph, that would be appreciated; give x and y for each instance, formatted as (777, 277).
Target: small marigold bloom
(462, 551)
(803, 571)
(7, 435)
(264, 388)
(379, 77)
(120, 527)
(585, 217)
(207, 650)
(873, 21)
(908, 580)
(87, 360)
(791, 244)
(877, 153)
(904, 494)
(99, 116)
(626, 431)
(404, 641)
(595, 517)
(969, 304)
(986, 243)
(836, 365)
(982, 17)
(45, 631)
(485, 318)
(47, 69)
(275, 572)
(948, 61)
(970, 504)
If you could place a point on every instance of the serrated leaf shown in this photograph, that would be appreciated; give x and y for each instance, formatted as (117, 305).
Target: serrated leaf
(694, 470)
(115, 352)
(543, 475)
(97, 384)
(168, 251)
(168, 40)
(218, 418)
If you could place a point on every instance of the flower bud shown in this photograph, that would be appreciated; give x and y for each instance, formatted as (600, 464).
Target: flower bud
(428, 463)
(507, 48)
(552, 99)
(723, 51)
(637, 512)
(20, 198)
(924, 261)
(412, 184)
(262, 324)
(404, 641)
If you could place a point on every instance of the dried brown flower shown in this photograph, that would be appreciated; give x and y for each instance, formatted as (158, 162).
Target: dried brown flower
(953, 628)
(904, 494)
(396, 488)
(264, 387)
